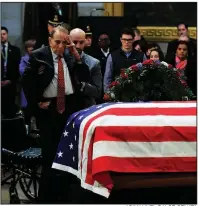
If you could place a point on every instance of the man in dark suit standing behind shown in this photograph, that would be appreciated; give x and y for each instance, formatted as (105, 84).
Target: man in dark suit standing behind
(102, 53)
(10, 60)
(53, 87)
(182, 29)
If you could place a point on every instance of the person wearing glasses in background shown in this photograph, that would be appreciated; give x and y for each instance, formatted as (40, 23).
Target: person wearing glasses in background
(122, 57)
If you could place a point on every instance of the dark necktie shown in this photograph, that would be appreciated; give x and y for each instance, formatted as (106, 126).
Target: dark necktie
(3, 51)
(4, 60)
(61, 88)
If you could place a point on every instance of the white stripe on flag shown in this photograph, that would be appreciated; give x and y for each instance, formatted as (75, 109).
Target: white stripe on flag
(144, 149)
(147, 120)
(65, 168)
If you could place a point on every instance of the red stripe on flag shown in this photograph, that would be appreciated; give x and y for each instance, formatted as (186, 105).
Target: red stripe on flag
(142, 165)
(150, 111)
(104, 165)
(145, 134)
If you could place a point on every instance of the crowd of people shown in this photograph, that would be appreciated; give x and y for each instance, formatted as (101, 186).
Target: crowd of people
(67, 75)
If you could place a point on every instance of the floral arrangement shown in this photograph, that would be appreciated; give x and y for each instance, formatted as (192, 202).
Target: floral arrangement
(148, 81)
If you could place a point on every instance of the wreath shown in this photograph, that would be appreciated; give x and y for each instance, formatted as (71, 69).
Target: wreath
(148, 81)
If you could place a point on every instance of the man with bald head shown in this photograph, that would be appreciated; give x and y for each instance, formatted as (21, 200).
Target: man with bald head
(55, 87)
(92, 87)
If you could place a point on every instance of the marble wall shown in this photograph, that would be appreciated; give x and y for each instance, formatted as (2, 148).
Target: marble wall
(12, 16)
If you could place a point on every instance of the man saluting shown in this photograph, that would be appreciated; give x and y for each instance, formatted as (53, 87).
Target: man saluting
(53, 88)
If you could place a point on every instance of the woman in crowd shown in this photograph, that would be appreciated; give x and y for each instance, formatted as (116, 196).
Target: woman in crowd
(29, 47)
(186, 65)
(155, 55)
(152, 46)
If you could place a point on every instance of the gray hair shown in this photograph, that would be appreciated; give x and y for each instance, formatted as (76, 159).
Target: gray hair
(58, 28)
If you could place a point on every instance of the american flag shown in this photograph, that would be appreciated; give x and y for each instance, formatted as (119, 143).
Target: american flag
(127, 138)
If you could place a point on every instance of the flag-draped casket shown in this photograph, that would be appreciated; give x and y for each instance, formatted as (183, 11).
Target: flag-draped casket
(133, 138)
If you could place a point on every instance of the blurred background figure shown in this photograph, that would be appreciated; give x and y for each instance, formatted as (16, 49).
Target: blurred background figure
(186, 65)
(54, 21)
(183, 35)
(101, 53)
(10, 59)
(138, 35)
(140, 45)
(88, 41)
(29, 47)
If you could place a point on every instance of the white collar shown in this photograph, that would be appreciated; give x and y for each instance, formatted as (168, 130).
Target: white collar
(54, 55)
(105, 51)
(6, 44)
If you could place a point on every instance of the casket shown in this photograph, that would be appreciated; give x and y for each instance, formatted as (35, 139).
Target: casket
(130, 145)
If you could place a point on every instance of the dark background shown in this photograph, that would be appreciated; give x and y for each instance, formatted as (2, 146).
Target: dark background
(135, 14)
(161, 13)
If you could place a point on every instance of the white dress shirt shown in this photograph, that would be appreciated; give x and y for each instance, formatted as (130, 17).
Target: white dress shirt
(105, 53)
(51, 90)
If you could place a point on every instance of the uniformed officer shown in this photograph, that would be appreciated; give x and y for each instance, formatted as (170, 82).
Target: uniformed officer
(54, 21)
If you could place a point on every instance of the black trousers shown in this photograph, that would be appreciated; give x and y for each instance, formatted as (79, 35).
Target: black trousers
(54, 185)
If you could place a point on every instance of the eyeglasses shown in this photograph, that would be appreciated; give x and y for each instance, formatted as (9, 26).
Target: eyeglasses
(127, 40)
(80, 42)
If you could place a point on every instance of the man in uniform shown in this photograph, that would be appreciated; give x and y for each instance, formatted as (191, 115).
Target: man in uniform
(53, 22)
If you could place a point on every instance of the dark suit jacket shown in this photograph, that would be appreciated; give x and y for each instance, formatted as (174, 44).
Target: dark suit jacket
(172, 47)
(102, 58)
(13, 61)
(40, 72)
(93, 86)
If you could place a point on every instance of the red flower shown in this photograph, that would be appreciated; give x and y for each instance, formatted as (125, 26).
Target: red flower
(133, 68)
(114, 83)
(124, 75)
(148, 61)
(122, 71)
(170, 66)
(106, 97)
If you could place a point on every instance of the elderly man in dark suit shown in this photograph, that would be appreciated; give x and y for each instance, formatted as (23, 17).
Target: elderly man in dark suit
(55, 87)
(10, 60)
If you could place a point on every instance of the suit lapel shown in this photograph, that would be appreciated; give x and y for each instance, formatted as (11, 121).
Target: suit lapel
(49, 57)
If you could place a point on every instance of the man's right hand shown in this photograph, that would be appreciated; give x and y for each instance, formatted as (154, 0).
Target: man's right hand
(44, 105)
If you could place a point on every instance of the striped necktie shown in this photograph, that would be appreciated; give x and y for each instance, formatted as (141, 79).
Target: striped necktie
(61, 88)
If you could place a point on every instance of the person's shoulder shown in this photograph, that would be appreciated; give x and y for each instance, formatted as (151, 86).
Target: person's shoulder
(193, 40)
(41, 50)
(91, 59)
(116, 52)
(13, 47)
